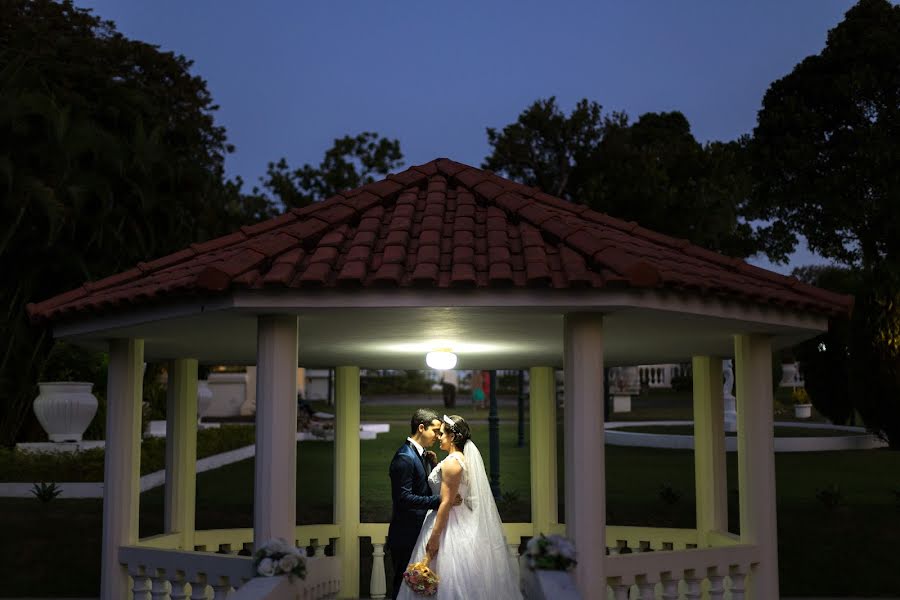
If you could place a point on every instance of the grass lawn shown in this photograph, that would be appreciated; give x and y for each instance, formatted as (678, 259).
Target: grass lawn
(850, 548)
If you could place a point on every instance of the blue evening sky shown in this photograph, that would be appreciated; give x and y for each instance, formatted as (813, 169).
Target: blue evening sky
(292, 76)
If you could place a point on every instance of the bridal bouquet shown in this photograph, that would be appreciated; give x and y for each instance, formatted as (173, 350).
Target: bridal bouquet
(421, 579)
(554, 553)
(278, 557)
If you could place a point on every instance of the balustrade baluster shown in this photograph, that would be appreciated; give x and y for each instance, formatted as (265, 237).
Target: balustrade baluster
(669, 587)
(160, 587)
(198, 587)
(221, 588)
(716, 585)
(377, 582)
(738, 578)
(179, 586)
(140, 583)
(647, 590)
(693, 583)
(620, 590)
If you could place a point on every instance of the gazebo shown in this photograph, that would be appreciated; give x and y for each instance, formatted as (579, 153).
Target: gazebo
(441, 256)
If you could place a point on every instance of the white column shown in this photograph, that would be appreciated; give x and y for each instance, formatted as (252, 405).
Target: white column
(542, 442)
(709, 447)
(584, 450)
(121, 471)
(756, 458)
(346, 476)
(181, 450)
(275, 481)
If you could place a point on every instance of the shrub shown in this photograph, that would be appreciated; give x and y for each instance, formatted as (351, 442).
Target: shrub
(46, 492)
(800, 396)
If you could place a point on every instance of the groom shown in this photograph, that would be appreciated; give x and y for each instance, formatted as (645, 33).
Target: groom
(410, 495)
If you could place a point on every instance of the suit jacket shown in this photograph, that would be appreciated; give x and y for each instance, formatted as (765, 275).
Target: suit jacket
(410, 496)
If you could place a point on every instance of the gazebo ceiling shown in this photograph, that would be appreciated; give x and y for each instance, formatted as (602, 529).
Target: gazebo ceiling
(447, 252)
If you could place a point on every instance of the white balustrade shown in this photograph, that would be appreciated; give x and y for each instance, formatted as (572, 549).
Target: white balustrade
(643, 563)
(643, 571)
(175, 574)
(377, 582)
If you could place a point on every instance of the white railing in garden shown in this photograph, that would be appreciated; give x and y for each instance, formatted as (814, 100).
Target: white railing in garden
(643, 563)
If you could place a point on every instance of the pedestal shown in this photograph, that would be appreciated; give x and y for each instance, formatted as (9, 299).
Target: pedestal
(621, 403)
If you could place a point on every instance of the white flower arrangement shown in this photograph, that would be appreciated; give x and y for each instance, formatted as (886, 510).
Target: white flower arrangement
(278, 557)
(554, 553)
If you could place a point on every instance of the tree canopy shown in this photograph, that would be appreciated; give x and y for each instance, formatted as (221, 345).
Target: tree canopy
(652, 171)
(351, 161)
(826, 164)
(825, 154)
(109, 155)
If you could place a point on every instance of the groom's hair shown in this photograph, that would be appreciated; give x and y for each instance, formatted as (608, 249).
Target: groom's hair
(422, 416)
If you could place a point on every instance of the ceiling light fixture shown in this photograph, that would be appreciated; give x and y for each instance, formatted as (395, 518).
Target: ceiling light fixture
(440, 360)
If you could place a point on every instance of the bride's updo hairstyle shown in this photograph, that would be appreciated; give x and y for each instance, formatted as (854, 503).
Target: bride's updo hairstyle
(457, 426)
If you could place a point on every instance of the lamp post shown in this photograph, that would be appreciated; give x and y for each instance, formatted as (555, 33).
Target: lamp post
(494, 436)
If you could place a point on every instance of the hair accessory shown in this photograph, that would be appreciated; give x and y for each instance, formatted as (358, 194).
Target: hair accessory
(450, 422)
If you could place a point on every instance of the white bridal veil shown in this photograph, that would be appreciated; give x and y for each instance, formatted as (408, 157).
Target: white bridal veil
(491, 548)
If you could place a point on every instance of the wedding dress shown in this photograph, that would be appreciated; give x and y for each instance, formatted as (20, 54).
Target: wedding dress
(473, 561)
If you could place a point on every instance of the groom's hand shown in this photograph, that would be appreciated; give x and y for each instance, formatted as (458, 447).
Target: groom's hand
(430, 456)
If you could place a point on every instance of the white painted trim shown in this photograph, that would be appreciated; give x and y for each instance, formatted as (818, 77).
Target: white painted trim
(295, 301)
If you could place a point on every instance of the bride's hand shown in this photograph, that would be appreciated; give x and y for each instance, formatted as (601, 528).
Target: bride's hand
(432, 547)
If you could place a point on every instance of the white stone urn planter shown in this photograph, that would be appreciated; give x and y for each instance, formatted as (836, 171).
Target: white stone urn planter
(541, 584)
(803, 411)
(65, 409)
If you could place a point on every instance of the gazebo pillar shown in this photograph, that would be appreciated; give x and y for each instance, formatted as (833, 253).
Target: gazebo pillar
(346, 476)
(542, 408)
(709, 447)
(275, 479)
(584, 448)
(121, 470)
(756, 458)
(181, 451)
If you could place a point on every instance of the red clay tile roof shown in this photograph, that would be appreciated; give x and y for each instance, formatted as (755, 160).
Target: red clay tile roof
(440, 225)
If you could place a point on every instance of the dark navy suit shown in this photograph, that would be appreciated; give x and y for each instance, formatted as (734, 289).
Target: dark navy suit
(411, 498)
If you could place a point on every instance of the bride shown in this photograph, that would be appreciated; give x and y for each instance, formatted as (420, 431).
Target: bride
(465, 543)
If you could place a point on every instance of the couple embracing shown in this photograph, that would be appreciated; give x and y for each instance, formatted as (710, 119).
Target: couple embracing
(446, 512)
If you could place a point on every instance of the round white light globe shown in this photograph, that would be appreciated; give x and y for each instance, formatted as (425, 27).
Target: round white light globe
(440, 360)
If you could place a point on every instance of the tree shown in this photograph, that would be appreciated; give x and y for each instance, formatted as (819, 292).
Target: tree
(652, 171)
(109, 155)
(825, 162)
(349, 163)
(546, 149)
(825, 146)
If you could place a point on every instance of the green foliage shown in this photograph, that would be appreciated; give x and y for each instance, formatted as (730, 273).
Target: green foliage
(824, 151)
(72, 363)
(87, 465)
(349, 163)
(875, 358)
(799, 395)
(395, 382)
(825, 359)
(109, 155)
(46, 492)
(652, 171)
